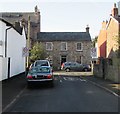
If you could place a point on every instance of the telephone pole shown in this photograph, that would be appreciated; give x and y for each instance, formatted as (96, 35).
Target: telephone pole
(28, 40)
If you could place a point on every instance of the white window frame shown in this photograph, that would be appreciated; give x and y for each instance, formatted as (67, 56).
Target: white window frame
(51, 46)
(62, 46)
(77, 46)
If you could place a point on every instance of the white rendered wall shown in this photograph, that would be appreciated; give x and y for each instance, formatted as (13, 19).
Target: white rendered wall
(16, 42)
(3, 60)
(2, 37)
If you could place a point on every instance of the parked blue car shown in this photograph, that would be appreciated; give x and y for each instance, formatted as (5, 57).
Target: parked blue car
(40, 74)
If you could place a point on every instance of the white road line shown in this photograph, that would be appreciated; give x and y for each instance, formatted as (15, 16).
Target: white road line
(14, 100)
(60, 81)
(64, 78)
(82, 80)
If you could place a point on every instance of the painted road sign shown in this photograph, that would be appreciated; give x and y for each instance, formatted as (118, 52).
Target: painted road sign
(25, 52)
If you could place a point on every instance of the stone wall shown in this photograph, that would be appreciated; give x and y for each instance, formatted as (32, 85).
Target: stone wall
(71, 53)
(108, 69)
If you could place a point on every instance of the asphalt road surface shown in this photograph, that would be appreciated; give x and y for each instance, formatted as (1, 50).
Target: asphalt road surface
(69, 94)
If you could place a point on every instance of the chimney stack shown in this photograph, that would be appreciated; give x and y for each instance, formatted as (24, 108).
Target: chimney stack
(115, 11)
(87, 29)
(18, 27)
(104, 23)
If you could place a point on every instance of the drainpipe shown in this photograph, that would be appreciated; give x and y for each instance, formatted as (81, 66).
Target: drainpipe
(6, 40)
(8, 75)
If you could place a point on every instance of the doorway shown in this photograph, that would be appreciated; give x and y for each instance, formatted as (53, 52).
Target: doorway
(63, 58)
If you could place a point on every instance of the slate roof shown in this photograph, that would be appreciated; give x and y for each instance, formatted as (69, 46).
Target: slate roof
(63, 36)
(18, 29)
(18, 16)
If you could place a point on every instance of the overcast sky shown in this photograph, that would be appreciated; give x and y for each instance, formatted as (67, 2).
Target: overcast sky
(65, 15)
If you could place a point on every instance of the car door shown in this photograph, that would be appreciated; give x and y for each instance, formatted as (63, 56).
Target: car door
(74, 66)
(80, 67)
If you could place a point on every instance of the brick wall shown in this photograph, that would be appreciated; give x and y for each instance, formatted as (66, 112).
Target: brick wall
(112, 34)
(102, 38)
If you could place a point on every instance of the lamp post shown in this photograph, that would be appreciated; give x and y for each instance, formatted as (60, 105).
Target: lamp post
(28, 40)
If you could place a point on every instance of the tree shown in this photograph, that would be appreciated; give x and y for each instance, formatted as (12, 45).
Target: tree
(37, 52)
(94, 41)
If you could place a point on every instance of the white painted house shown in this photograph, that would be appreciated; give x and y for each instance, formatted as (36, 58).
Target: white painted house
(12, 42)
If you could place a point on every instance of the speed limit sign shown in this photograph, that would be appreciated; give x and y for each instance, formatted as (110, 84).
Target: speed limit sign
(25, 52)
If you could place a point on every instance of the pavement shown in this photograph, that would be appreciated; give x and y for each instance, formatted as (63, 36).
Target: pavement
(11, 88)
(14, 86)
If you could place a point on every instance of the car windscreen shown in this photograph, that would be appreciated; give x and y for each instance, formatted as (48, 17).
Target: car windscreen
(41, 63)
(40, 70)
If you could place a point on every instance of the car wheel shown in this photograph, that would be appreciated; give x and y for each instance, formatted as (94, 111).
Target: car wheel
(85, 69)
(67, 70)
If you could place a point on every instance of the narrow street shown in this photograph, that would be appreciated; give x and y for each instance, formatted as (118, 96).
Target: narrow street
(72, 44)
(69, 94)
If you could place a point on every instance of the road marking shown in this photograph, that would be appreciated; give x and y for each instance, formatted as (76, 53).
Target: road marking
(69, 78)
(64, 78)
(14, 100)
(60, 81)
(82, 80)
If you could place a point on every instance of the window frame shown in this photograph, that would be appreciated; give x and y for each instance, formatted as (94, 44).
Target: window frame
(65, 45)
(77, 46)
(50, 46)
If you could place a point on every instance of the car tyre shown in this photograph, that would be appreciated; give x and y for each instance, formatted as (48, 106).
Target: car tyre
(85, 69)
(67, 70)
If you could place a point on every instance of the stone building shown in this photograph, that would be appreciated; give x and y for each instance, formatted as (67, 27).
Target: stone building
(66, 46)
(21, 18)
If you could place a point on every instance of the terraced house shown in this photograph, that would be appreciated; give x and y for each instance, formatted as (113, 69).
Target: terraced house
(66, 46)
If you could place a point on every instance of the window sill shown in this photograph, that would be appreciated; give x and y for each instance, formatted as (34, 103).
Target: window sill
(49, 50)
(79, 50)
(64, 50)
